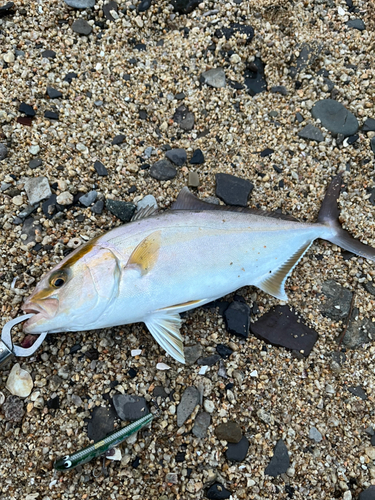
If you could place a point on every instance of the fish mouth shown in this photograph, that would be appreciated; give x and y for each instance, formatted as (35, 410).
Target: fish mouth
(45, 312)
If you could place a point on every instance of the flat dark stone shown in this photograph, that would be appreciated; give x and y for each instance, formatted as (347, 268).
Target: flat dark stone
(233, 190)
(229, 431)
(357, 24)
(80, 4)
(53, 93)
(372, 145)
(100, 168)
(218, 492)
(130, 407)
(143, 5)
(266, 152)
(352, 139)
(280, 462)
(26, 109)
(82, 27)
(177, 156)
(97, 208)
(369, 125)
(70, 76)
(209, 360)
(192, 353)
(279, 89)
(159, 391)
(118, 139)
(180, 96)
(358, 391)
(184, 118)
(121, 209)
(142, 114)
(49, 54)
(370, 287)
(185, 6)
(335, 117)
(5, 9)
(163, 170)
(368, 494)
(282, 327)
(51, 115)
(237, 452)
(337, 300)
(107, 7)
(359, 332)
(312, 133)
(189, 400)
(234, 29)
(35, 163)
(237, 319)
(255, 80)
(25, 120)
(101, 422)
(224, 351)
(141, 47)
(197, 158)
(201, 423)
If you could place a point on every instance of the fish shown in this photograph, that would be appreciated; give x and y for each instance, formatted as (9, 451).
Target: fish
(162, 264)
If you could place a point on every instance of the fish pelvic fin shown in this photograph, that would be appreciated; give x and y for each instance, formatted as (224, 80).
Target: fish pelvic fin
(328, 216)
(165, 327)
(274, 282)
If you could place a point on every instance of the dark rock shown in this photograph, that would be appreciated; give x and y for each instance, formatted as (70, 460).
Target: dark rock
(279, 89)
(338, 299)
(88, 198)
(192, 353)
(234, 29)
(29, 229)
(372, 145)
(80, 4)
(53, 93)
(368, 494)
(237, 319)
(35, 163)
(209, 360)
(81, 27)
(255, 80)
(282, 327)
(177, 156)
(359, 332)
(101, 422)
(26, 109)
(13, 409)
(142, 114)
(218, 492)
(233, 190)
(201, 423)
(358, 391)
(53, 403)
(107, 7)
(70, 76)
(144, 5)
(100, 168)
(163, 170)
(185, 6)
(184, 118)
(50, 206)
(97, 208)
(92, 354)
(280, 462)
(130, 407)
(189, 400)
(27, 211)
(352, 139)
(6, 9)
(229, 431)
(132, 372)
(25, 120)
(159, 392)
(197, 158)
(357, 24)
(118, 139)
(237, 452)
(75, 348)
(49, 54)
(370, 287)
(369, 125)
(180, 457)
(224, 351)
(51, 115)
(266, 152)
(121, 209)
(136, 462)
(180, 96)
(335, 117)
(312, 133)
(3, 151)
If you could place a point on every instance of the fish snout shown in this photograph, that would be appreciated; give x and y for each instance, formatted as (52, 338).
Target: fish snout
(45, 309)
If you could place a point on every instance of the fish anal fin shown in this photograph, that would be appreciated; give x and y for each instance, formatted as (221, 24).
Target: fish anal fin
(146, 253)
(165, 328)
(275, 281)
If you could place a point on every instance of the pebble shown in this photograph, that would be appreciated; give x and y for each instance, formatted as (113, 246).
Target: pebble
(26, 109)
(13, 409)
(357, 24)
(254, 77)
(34, 150)
(233, 190)
(358, 391)
(184, 118)
(185, 6)
(337, 300)
(37, 189)
(335, 117)
(82, 27)
(51, 115)
(19, 382)
(101, 423)
(214, 77)
(80, 4)
(209, 406)
(224, 351)
(35, 163)
(118, 139)
(209, 360)
(143, 5)
(65, 198)
(235, 29)
(368, 494)
(97, 208)
(369, 125)
(100, 168)
(218, 492)
(192, 353)
(280, 462)
(163, 170)
(315, 435)
(3, 151)
(197, 158)
(110, 10)
(9, 57)
(237, 452)
(279, 89)
(177, 156)
(229, 431)
(282, 327)
(193, 179)
(237, 319)
(88, 198)
(148, 201)
(189, 400)
(130, 407)
(372, 144)
(312, 133)
(201, 424)
(53, 93)
(82, 148)
(49, 54)
(121, 209)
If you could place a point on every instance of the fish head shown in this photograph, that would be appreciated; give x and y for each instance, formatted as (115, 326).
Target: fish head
(75, 293)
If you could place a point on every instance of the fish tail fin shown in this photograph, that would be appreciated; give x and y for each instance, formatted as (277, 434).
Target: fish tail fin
(328, 216)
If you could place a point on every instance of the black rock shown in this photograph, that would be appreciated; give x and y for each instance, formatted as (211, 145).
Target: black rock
(372, 145)
(92, 354)
(177, 156)
(224, 351)
(142, 114)
(233, 190)
(282, 327)
(209, 360)
(118, 139)
(6, 9)
(237, 452)
(357, 24)
(369, 125)
(70, 76)
(312, 133)
(29, 229)
(82, 27)
(358, 391)
(35, 163)
(130, 407)
(159, 392)
(121, 209)
(49, 54)
(132, 372)
(100, 168)
(53, 403)
(53, 93)
(185, 6)
(335, 117)
(107, 7)
(163, 170)
(280, 462)
(237, 319)
(370, 287)
(218, 492)
(184, 118)
(255, 80)
(101, 422)
(27, 211)
(352, 139)
(233, 29)
(368, 494)
(279, 89)
(338, 299)
(26, 109)
(51, 115)
(144, 5)
(97, 208)
(266, 152)
(197, 158)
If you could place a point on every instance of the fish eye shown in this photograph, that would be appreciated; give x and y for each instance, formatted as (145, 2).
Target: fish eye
(58, 282)
(59, 279)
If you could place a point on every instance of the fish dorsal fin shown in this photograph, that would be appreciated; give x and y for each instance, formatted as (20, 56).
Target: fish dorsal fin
(146, 253)
(274, 283)
(144, 212)
(165, 328)
(188, 201)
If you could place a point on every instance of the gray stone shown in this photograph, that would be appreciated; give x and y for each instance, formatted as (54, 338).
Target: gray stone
(357, 24)
(279, 89)
(237, 452)
(315, 435)
(358, 391)
(13, 409)
(121, 209)
(109, 7)
(233, 190)
(229, 431)
(184, 118)
(97, 208)
(372, 144)
(369, 125)
(193, 179)
(192, 353)
(312, 133)
(177, 156)
(88, 198)
(359, 332)
(100, 168)
(201, 424)
(335, 117)
(148, 201)
(80, 4)
(368, 494)
(189, 400)
(370, 287)
(214, 77)
(101, 422)
(280, 461)
(37, 189)
(81, 27)
(3, 151)
(130, 407)
(53, 93)
(35, 163)
(163, 170)
(338, 299)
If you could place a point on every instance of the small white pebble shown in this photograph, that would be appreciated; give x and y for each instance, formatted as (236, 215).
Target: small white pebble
(162, 366)
(203, 370)
(136, 352)
(254, 373)
(209, 406)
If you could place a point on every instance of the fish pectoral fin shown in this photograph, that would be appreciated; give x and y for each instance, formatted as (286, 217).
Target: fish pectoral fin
(165, 328)
(146, 253)
(274, 282)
